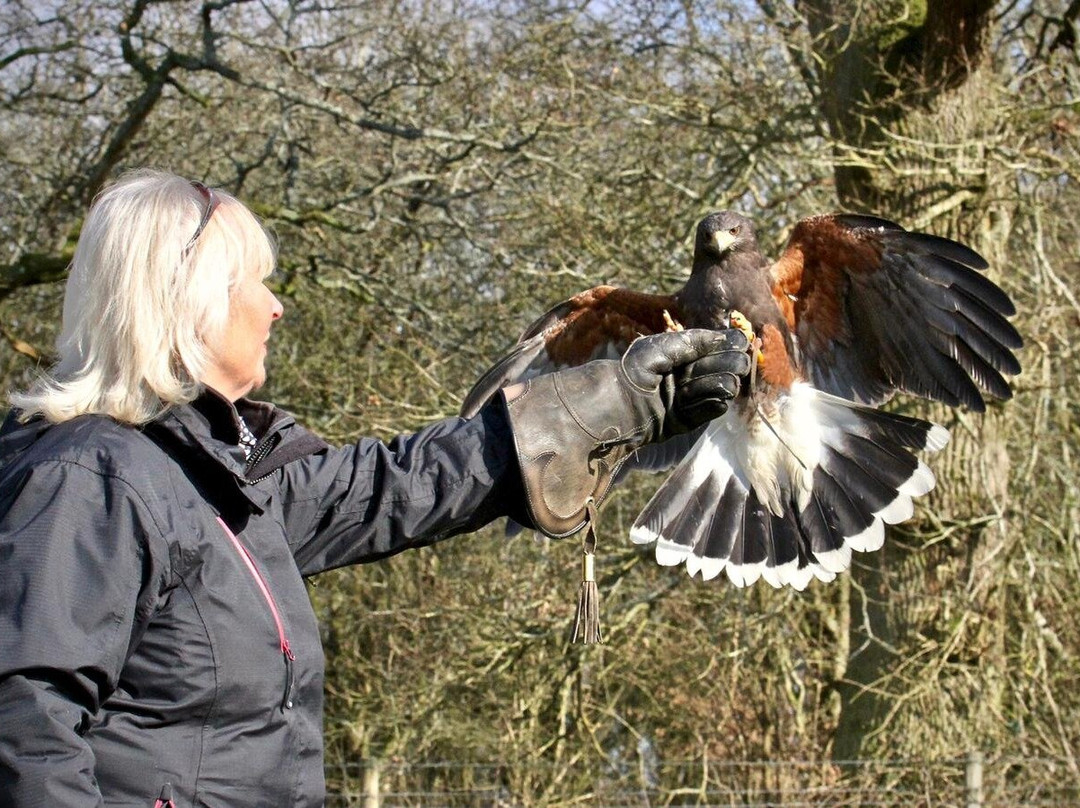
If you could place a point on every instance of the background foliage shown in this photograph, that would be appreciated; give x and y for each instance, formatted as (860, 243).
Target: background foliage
(438, 172)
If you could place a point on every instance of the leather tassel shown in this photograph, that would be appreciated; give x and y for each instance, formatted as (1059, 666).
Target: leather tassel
(587, 621)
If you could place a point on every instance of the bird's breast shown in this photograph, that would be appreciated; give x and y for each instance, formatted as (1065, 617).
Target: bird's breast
(704, 305)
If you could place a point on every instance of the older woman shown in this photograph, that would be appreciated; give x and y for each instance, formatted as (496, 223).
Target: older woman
(156, 639)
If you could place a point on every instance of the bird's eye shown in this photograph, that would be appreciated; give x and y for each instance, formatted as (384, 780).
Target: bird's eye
(735, 230)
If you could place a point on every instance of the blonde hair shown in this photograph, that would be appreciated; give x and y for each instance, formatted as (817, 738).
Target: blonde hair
(142, 301)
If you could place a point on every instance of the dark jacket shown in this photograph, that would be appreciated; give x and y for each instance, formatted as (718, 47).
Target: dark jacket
(156, 637)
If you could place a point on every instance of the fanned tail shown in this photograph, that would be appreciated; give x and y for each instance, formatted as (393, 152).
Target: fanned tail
(790, 502)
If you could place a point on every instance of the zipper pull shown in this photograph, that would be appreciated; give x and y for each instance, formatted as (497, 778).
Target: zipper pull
(286, 699)
(165, 800)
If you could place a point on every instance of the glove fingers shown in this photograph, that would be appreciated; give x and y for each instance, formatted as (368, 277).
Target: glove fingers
(702, 411)
(727, 361)
(654, 356)
(701, 398)
(723, 385)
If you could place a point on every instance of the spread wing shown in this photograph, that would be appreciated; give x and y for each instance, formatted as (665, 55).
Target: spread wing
(600, 322)
(876, 309)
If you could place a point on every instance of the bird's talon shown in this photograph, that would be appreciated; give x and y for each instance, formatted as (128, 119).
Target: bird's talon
(670, 323)
(737, 320)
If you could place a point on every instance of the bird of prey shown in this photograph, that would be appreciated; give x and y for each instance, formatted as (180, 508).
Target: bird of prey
(803, 468)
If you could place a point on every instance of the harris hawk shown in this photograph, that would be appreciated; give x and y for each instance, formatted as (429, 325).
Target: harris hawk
(802, 469)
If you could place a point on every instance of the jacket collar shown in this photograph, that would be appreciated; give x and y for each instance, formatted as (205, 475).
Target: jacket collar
(211, 425)
(209, 429)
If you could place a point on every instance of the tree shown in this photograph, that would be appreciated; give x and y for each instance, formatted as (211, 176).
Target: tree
(438, 174)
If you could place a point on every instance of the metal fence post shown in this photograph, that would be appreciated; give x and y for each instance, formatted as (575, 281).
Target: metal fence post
(973, 780)
(370, 787)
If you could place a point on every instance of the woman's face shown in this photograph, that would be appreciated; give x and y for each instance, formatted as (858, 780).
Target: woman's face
(238, 355)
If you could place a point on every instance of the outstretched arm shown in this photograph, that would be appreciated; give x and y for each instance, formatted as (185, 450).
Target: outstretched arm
(370, 499)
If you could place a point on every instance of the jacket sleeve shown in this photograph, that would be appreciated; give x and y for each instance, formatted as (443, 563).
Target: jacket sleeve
(74, 586)
(369, 500)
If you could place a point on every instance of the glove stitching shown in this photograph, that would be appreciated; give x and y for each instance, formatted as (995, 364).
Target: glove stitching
(568, 406)
(632, 383)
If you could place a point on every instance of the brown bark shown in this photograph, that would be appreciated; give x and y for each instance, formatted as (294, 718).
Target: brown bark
(894, 73)
(881, 62)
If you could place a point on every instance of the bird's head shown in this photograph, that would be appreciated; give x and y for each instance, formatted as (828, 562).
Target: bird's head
(724, 232)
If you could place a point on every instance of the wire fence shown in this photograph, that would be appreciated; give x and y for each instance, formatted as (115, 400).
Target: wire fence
(971, 781)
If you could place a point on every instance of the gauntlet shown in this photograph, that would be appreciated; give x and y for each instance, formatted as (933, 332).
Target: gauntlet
(573, 429)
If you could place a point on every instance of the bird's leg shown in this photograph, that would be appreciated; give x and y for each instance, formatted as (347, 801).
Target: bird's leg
(736, 319)
(670, 323)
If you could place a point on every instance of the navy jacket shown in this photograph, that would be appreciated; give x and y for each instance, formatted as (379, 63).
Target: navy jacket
(156, 637)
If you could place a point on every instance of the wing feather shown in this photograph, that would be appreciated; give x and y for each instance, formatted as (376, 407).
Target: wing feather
(597, 323)
(877, 309)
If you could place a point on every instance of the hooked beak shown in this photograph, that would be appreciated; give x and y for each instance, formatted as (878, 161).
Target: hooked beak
(722, 240)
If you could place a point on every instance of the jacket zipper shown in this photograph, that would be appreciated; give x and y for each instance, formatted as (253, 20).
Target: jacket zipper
(283, 641)
(261, 450)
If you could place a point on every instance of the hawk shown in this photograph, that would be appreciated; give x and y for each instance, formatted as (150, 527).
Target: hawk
(803, 469)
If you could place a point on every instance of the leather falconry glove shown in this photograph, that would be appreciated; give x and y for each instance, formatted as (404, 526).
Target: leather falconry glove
(573, 429)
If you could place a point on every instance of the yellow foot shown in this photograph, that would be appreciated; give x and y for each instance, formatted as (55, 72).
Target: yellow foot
(736, 319)
(671, 323)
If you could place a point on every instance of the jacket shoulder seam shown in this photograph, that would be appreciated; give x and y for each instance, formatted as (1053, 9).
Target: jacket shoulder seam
(128, 485)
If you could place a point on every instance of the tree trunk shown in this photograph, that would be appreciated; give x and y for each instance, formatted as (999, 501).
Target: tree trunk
(879, 64)
(902, 94)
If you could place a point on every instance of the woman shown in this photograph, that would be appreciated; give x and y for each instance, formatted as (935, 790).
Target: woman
(156, 638)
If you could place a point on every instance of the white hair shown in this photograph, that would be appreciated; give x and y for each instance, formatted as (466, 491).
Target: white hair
(142, 301)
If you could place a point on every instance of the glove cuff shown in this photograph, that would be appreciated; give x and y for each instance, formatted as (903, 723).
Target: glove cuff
(568, 445)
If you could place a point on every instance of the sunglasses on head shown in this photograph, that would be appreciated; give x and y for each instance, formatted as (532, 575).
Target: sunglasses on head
(212, 202)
